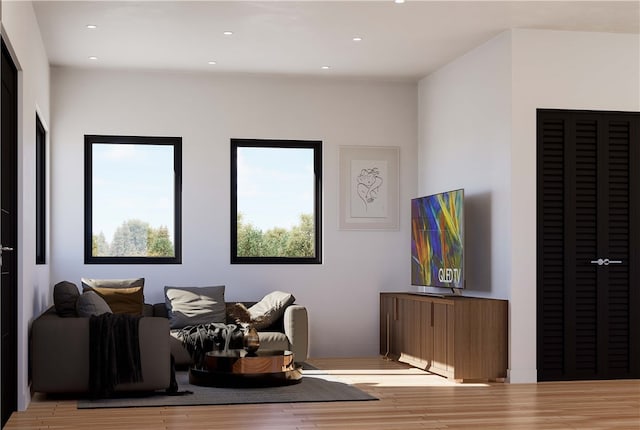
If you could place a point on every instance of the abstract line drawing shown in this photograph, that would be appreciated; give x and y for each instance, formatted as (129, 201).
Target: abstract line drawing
(369, 197)
(368, 185)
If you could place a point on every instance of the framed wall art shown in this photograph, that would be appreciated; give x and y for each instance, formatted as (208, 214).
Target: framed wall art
(369, 187)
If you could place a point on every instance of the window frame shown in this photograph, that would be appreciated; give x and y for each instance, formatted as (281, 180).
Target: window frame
(316, 146)
(176, 142)
(41, 192)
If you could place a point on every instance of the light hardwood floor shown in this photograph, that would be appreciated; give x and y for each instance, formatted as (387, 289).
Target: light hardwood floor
(409, 399)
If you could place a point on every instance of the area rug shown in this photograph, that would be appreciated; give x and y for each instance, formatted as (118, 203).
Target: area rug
(316, 386)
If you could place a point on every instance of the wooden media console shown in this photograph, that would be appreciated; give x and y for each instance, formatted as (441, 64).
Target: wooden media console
(460, 338)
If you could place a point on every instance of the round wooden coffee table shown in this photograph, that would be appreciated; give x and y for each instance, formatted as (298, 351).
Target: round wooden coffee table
(238, 368)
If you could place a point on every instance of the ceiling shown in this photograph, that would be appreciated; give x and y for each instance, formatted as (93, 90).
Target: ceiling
(399, 41)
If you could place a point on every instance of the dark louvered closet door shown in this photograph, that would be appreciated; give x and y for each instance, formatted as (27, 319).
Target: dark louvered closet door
(588, 238)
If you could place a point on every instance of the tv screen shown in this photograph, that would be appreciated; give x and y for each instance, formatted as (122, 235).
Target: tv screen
(437, 240)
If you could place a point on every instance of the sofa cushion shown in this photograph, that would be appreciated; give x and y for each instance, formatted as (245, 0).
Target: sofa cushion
(271, 308)
(124, 296)
(90, 303)
(194, 305)
(65, 296)
(273, 340)
(147, 310)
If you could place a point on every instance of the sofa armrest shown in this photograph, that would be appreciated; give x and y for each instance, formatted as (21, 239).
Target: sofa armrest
(60, 354)
(296, 328)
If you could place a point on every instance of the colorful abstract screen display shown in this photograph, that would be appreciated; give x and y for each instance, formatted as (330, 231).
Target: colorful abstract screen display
(437, 240)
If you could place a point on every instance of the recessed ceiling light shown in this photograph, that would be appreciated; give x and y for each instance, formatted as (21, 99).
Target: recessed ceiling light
(92, 26)
(357, 39)
(228, 33)
(325, 67)
(211, 62)
(398, 1)
(93, 58)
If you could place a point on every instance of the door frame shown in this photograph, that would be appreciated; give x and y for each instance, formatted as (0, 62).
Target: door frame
(603, 118)
(9, 405)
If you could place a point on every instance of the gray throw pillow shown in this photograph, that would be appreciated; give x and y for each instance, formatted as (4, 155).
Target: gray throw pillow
(65, 296)
(90, 303)
(194, 305)
(270, 309)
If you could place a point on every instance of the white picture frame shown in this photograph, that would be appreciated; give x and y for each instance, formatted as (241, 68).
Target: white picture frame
(369, 187)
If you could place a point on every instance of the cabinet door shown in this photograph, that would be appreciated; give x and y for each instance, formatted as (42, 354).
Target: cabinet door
(410, 319)
(386, 319)
(392, 336)
(426, 344)
(442, 357)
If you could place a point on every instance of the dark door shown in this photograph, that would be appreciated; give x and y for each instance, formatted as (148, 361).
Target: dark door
(588, 296)
(9, 233)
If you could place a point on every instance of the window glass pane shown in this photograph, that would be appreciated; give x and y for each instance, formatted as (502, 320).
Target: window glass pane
(276, 202)
(133, 200)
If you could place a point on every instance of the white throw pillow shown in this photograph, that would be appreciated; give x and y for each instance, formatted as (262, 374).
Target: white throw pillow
(271, 308)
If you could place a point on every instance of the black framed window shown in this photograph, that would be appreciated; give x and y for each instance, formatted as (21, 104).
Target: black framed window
(133, 200)
(41, 192)
(276, 201)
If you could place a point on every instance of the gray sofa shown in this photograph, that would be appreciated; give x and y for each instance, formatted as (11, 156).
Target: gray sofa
(291, 332)
(60, 354)
(60, 348)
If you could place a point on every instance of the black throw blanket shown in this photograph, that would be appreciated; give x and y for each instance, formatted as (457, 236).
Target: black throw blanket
(202, 338)
(114, 352)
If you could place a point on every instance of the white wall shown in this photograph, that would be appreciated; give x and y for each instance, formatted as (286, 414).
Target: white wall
(564, 70)
(464, 142)
(477, 117)
(207, 110)
(22, 35)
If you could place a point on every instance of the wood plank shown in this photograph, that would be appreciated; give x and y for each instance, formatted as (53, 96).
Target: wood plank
(409, 399)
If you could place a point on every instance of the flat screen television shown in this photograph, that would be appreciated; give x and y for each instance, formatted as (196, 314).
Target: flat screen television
(437, 240)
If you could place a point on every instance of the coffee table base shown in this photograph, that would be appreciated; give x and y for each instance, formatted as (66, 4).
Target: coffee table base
(224, 379)
(239, 368)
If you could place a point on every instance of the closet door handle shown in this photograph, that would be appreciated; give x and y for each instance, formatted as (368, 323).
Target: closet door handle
(605, 262)
(4, 249)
